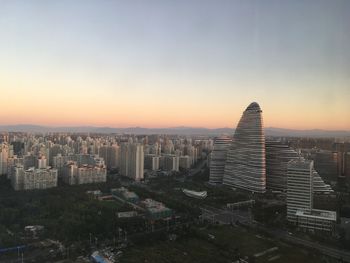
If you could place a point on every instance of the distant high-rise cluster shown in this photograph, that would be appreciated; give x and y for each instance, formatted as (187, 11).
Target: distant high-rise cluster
(37, 161)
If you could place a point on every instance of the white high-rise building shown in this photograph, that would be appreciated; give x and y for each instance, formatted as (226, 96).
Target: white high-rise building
(58, 163)
(132, 160)
(299, 187)
(85, 174)
(70, 173)
(110, 155)
(151, 162)
(300, 183)
(12, 162)
(4, 154)
(33, 178)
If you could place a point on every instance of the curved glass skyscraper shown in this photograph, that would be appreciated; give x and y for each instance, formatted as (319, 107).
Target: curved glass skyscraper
(245, 166)
(218, 159)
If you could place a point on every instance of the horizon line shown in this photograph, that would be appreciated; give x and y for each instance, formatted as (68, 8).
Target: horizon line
(173, 127)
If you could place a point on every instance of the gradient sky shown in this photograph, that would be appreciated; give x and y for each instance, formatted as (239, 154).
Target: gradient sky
(169, 63)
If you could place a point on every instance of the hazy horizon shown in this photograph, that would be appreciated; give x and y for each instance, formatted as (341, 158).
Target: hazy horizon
(159, 127)
(182, 63)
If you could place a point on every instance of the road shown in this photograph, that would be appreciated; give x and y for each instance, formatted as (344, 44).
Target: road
(226, 217)
(324, 249)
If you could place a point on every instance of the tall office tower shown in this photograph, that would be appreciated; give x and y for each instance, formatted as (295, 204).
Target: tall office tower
(28, 161)
(347, 167)
(278, 155)
(170, 162)
(12, 162)
(132, 160)
(70, 173)
(218, 159)
(151, 162)
(18, 147)
(185, 162)
(155, 149)
(343, 154)
(299, 187)
(113, 156)
(168, 146)
(4, 154)
(110, 155)
(123, 158)
(245, 166)
(58, 163)
(192, 152)
(54, 151)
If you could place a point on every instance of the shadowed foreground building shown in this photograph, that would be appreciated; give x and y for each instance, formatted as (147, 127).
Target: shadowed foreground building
(218, 159)
(278, 155)
(245, 166)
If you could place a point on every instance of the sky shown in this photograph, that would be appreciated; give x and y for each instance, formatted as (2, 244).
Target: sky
(163, 63)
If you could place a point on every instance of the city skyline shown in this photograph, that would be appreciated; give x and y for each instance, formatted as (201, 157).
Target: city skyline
(127, 64)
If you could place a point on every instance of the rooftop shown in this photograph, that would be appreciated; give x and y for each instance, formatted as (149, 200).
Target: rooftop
(320, 214)
(254, 106)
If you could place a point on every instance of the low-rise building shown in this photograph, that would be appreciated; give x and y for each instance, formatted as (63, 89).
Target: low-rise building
(317, 220)
(125, 194)
(156, 210)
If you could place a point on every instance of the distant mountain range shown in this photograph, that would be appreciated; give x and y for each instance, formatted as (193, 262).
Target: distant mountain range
(270, 131)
